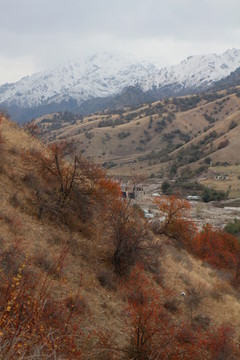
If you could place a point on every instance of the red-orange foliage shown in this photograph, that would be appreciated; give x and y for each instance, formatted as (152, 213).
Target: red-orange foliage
(217, 247)
(103, 188)
(220, 343)
(32, 128)
(154, 334)
(147, 316)
(176, 224)
(32, 324)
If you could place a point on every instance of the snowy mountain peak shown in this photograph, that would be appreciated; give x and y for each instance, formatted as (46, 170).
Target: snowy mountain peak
(98, 75)
(106, 74)
(197, 71)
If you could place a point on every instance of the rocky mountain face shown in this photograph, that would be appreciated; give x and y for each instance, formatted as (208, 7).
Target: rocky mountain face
(111, 80)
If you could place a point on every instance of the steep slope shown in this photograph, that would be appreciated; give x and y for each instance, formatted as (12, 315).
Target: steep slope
(83, 297)
(100, 81)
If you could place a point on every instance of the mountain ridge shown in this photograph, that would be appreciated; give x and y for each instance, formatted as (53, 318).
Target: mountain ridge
(93, 83)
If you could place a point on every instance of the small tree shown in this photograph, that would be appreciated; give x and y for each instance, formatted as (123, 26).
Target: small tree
(176, 224)
(166, 187)
(130, 235)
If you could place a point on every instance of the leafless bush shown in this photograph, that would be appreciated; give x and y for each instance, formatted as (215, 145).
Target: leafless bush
(107, 279)
(202, 321)
(44, 261)
(31, 180)
(15, 200)
(193, 299)
(78, 305)
(172, 305)
(156, 226)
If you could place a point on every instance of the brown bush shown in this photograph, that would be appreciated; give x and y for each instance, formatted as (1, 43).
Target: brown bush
(202, 321)
(172, 305)
(107, 279)
(78, 305)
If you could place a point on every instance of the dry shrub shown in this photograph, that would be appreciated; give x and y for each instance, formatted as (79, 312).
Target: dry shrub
(77, 304)
(44, 261)
(107, 279)
(193, 299)
(222, 288)
(31, 180)
(14, 150)
(202, 321)
(33, 325)
(49, 264)
(13, 221)
(15, 200)
(10, 259)
(154, 267)
(186, 335)
(172, 305)
(156, 226)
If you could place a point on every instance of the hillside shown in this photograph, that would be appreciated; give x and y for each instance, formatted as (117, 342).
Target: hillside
(112, 80)
(160, 138)
(63, 291)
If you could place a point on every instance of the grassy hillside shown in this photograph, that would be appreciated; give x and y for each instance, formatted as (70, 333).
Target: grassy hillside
(65, 292)
(152, 138)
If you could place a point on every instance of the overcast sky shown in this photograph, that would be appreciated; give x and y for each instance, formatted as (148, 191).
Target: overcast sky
(39, 34)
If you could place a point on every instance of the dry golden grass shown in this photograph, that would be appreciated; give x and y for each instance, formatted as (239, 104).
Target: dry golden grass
(88, 255)
(219, 300)
(104, 144)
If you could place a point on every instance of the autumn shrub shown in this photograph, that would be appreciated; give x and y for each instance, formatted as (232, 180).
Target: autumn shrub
(32, 128)
(76, 304)
(71, 187)
(131, 238)
(176, 223)
(172, 305)
(221, 343)
(202, 321)
(154, 334)
(217, 247)
(32, 323)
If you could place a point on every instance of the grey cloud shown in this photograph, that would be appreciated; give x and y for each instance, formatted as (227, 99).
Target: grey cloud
(49, 30)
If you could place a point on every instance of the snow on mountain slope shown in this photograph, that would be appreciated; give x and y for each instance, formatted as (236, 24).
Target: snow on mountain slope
(108, 74)
(96, 76)
(195, 72)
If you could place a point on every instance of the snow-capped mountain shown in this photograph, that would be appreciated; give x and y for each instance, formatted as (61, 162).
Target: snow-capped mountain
(196, 72)
(104, 75)
(99, 75)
